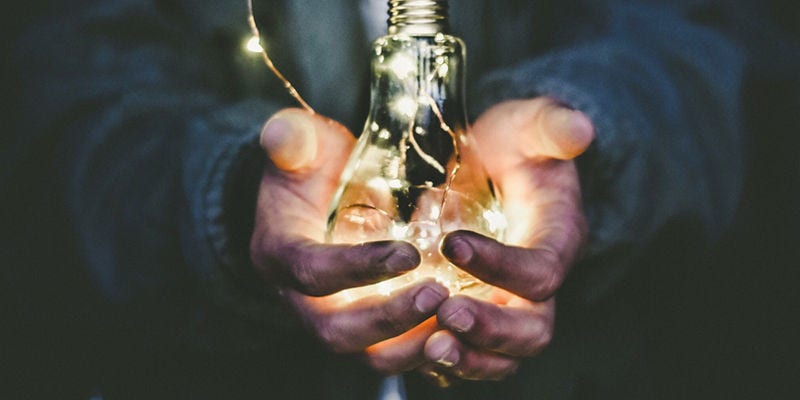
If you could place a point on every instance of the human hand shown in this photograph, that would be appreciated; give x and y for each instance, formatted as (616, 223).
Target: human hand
(527, 148)
(306, 156)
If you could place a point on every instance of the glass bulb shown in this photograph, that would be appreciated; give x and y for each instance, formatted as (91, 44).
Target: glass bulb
(408, 177)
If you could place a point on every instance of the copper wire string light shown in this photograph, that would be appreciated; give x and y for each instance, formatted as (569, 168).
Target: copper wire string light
(406, 179)
(268, 61)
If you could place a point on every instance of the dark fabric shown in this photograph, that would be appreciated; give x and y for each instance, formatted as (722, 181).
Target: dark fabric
(129, 176)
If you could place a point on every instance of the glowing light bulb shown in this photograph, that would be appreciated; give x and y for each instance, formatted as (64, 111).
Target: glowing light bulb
(406, 179)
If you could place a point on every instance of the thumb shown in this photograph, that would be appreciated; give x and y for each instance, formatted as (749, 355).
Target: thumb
(517, 131)
(307, 153)
(561, 133)
(298, 141)
(290, 139)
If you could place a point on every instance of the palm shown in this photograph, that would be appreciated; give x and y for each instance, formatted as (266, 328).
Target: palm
(527, 148)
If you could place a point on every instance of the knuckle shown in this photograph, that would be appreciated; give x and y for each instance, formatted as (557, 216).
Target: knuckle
(507, 371)
(490, 337)
(365, 265)
(548, 257)
(330, 337)
(550, 279)
(547, 287)
(540, 338)
(493, 275)
(307, 279)
(389, 321)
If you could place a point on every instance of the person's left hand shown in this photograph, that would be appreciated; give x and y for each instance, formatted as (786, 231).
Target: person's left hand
(527, 148)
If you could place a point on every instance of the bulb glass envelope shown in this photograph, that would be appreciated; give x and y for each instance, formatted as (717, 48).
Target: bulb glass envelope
(410, 176)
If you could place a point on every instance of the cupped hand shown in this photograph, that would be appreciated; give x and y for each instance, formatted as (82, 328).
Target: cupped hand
(306, 155)
(527, 147)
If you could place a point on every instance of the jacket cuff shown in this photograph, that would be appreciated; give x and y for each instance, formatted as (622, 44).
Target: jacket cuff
(655, 161)
(611, 246)
(224, 166)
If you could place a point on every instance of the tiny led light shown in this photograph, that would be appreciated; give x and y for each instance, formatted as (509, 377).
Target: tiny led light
(378, 184)
(406, 106)
(496, 219)
(385, 288)
(253, 45)
(402, 66)
(399, 231)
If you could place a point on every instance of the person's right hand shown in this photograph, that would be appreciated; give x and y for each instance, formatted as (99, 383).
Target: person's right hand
(306, 155)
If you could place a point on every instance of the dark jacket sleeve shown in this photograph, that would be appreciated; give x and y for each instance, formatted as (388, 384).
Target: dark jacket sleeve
(663, 92)
(154, 114)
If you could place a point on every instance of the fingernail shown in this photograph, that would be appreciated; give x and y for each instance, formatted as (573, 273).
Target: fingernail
(460, 321)
(561, 116)
(457, 249)
(429, 298)
(402, 259)
(582, 128)
(440, 351)
(576, 132)
(290, 140)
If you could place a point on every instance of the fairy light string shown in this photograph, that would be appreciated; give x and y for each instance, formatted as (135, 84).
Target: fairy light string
(267, 60)
(440, 71)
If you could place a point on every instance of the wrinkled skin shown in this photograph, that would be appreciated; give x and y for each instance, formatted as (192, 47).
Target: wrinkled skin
(527, 148)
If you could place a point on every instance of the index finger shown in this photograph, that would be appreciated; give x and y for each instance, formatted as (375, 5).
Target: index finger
(318, 269)
(533, 273)
(352, 327)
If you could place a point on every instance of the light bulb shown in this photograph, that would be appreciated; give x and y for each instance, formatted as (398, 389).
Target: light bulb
(408, 177)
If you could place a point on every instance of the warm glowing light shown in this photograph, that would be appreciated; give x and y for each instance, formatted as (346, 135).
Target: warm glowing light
(395, 183)
(356, 219)
(410, 181)
(406, 106)
(443, 70)
(382, 185)
(496, 220)
(253, 45)
(378, 185)
(402, 66)
(399, 231)
(435, 211)
(385, 288)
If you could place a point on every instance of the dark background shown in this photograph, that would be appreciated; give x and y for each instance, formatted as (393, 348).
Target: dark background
(726, 330)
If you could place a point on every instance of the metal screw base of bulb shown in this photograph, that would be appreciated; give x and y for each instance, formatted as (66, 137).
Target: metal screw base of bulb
(418, 17)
